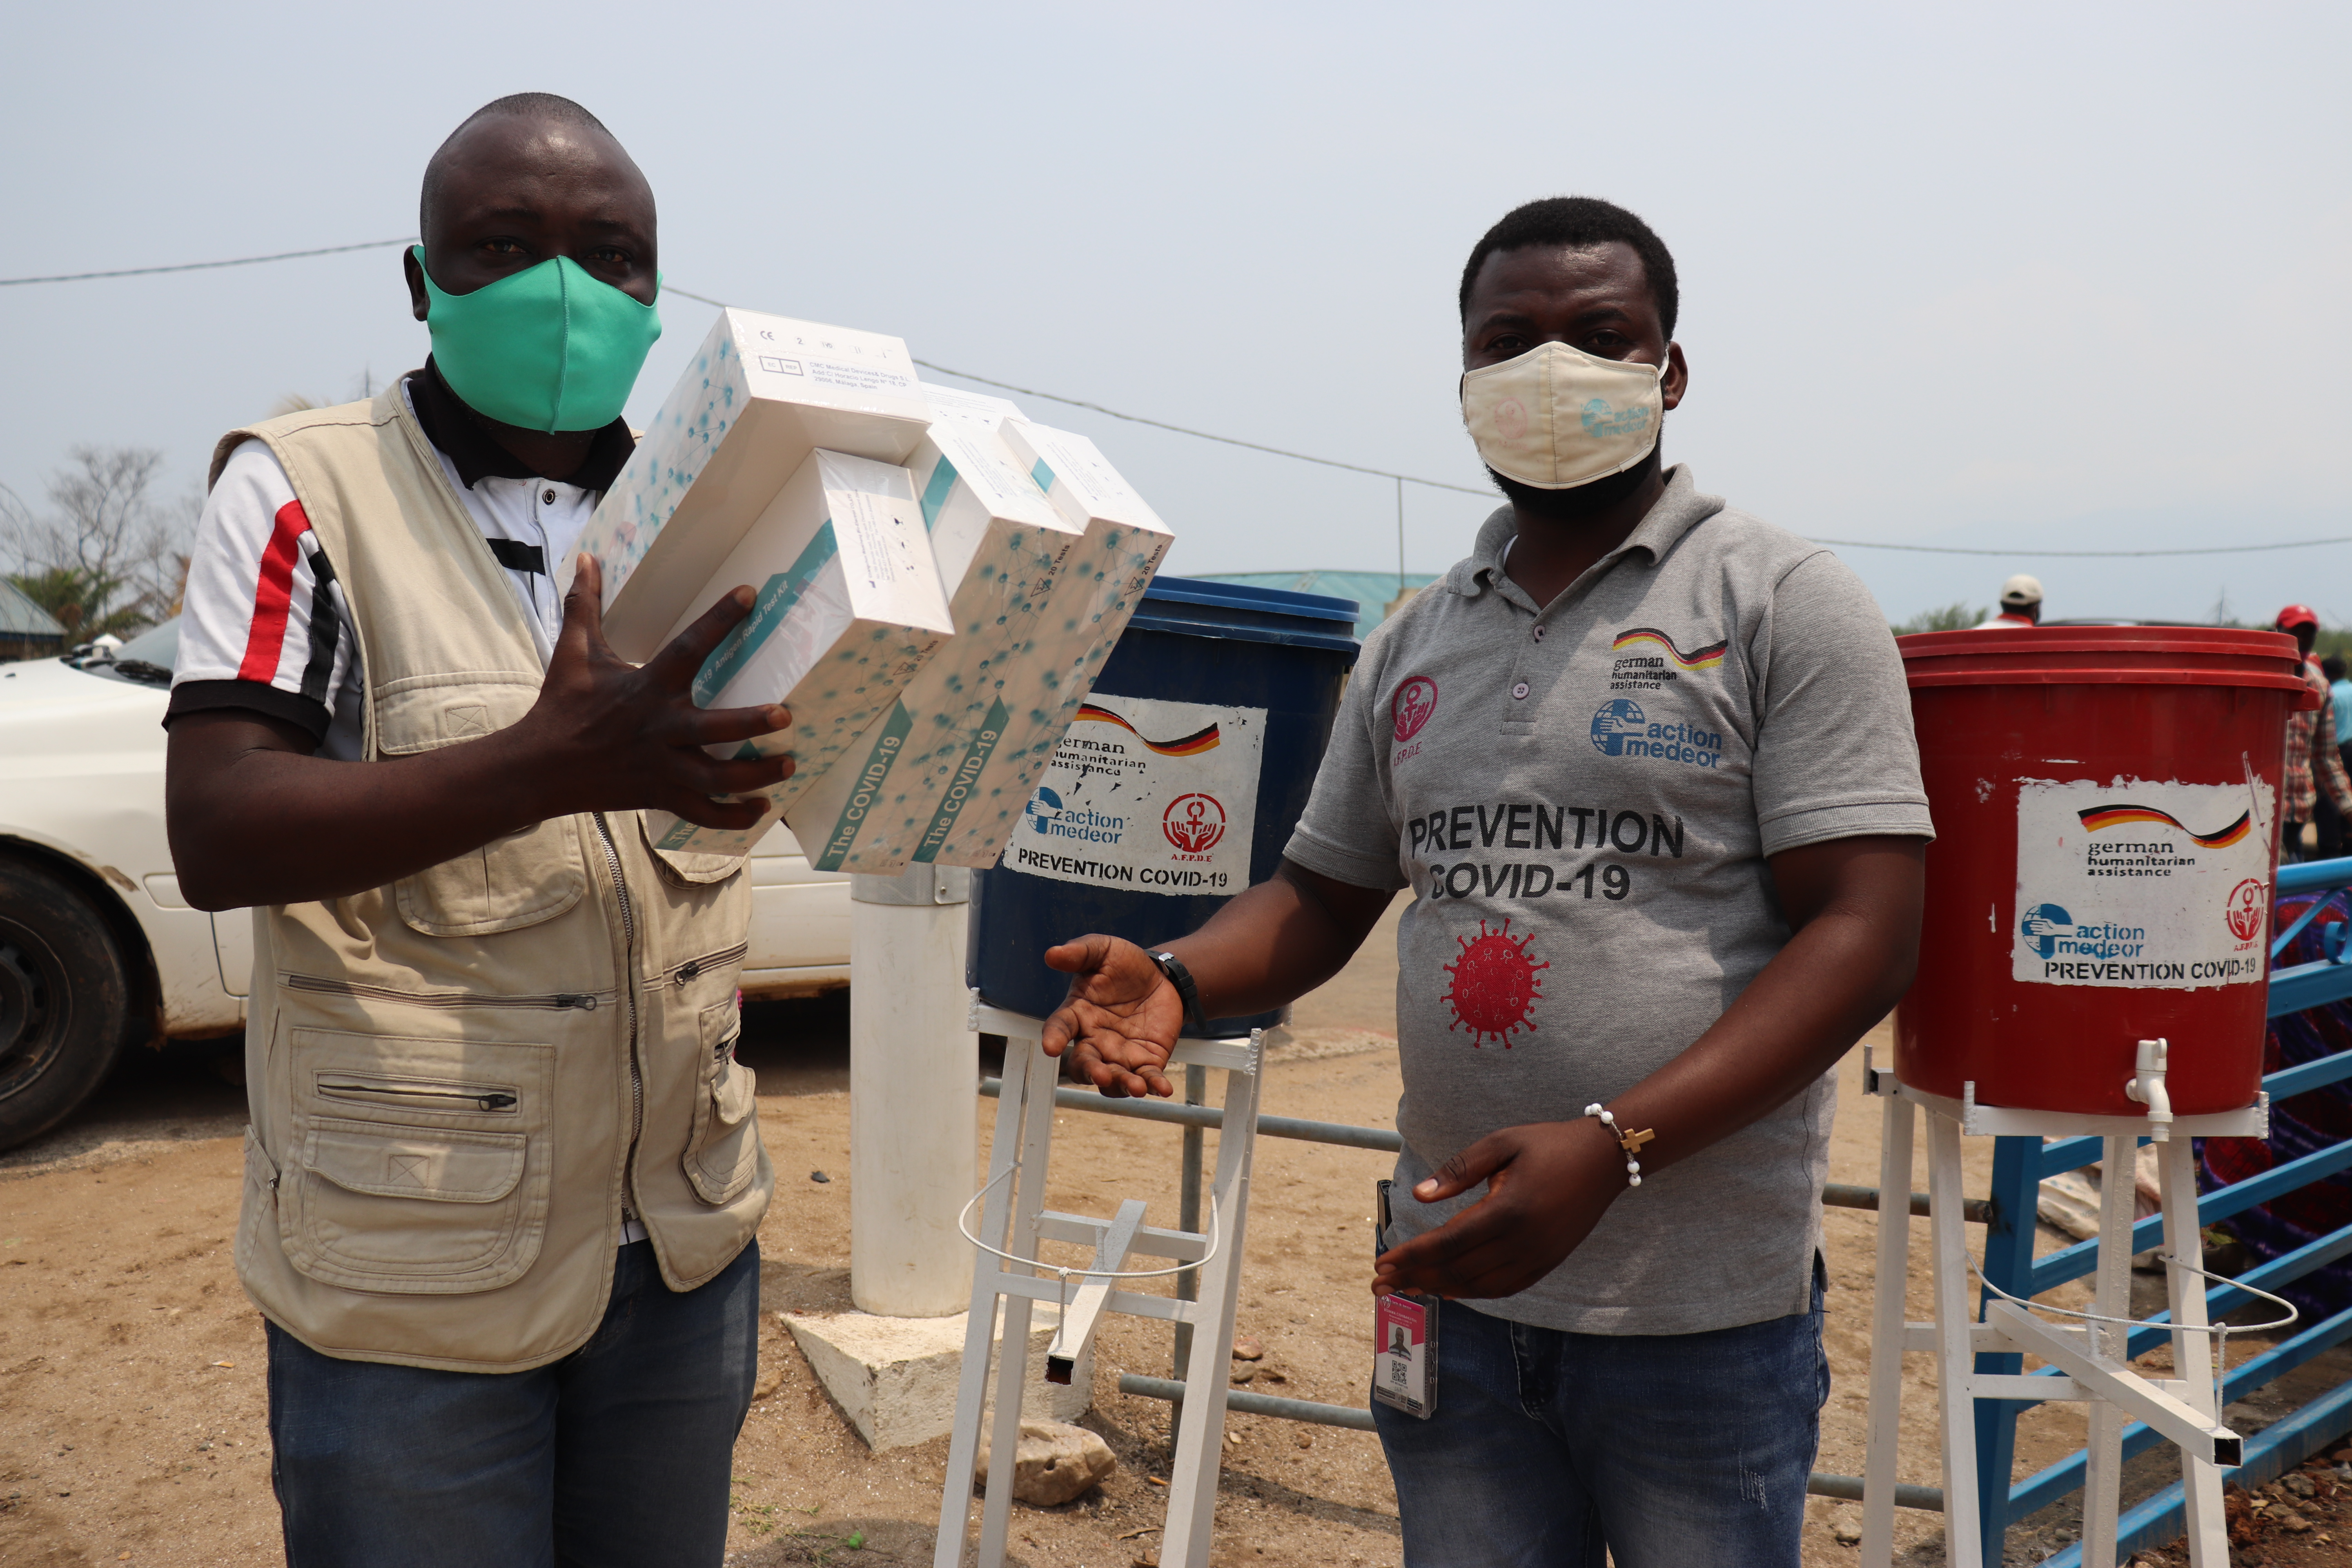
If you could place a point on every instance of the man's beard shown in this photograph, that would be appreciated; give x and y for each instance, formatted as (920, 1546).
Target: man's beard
(1577, 503)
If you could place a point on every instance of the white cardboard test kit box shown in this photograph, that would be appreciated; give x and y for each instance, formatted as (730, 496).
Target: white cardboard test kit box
(760, 394)
(848, 610)
(1001, 546)
(1092, 599)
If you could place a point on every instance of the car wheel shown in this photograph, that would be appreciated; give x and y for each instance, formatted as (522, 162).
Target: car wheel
(65, 1000)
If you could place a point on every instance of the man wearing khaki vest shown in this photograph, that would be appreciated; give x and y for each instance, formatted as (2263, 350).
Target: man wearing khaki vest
(504, 1172)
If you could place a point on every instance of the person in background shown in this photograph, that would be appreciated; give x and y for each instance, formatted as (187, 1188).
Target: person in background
(2325, 816)
(2020, 604)
(2315, 763)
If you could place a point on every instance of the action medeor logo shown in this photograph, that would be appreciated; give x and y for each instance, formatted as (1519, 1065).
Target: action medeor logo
(1043, 806)
(1617, 720)
(2042, 925)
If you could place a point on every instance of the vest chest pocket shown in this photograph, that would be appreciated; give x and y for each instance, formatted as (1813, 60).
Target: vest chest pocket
(518, 881)
(722, 1158)
(413, 1166)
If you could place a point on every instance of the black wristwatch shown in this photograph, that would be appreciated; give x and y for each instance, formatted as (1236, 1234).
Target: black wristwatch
(1182, 978)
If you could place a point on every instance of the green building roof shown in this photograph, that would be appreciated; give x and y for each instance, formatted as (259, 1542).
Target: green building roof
(20, 618)
(1372, 591)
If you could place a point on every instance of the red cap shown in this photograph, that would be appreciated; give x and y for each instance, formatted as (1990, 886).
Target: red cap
(2297, 616)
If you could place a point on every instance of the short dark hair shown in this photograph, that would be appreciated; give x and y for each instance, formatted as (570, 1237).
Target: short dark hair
(1577, 223)
(2332, 667)
(547, 106)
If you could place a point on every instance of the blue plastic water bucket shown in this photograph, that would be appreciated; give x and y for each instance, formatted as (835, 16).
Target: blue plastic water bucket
(1194, 642)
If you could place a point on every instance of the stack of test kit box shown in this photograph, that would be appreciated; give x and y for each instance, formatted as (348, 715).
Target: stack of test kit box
(1093, 597)
(1046, 551)
(1001, 548)
(775, 462)
(939, 581)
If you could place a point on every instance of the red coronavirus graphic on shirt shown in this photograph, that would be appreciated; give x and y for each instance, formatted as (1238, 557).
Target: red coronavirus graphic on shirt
(1494, 985)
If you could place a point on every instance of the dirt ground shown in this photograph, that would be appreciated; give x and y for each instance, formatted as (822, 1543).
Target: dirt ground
(132, 1427)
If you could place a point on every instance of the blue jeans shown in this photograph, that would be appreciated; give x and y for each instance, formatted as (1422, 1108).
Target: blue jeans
(619, 1454)
(1672, 1450)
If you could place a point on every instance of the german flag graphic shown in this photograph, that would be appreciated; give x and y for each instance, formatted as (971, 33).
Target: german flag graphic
(1190, 746)
(2107, 816)
(1707, 658)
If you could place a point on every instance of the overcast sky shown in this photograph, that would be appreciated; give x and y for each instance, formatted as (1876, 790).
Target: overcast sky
(2002, 275)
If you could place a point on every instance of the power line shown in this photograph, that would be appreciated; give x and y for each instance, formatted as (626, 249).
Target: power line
(1226, 440)
(2096, 555)
(1159, 424)
(206, 265)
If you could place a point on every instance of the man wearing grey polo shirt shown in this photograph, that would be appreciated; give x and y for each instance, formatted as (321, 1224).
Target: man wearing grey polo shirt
(1646, 764)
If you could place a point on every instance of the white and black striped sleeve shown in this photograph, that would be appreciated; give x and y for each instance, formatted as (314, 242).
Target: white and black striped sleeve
(263, 626)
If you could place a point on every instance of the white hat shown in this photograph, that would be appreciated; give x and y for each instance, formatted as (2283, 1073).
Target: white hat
(2021, 590)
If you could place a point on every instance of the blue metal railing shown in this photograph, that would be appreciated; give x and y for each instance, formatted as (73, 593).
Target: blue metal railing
(2020, 1164)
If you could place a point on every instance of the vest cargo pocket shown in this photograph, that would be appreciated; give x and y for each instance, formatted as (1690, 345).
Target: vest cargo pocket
(509, 883)
(518, 881)
(724, 1156)
(415, 1165)
(687, 868)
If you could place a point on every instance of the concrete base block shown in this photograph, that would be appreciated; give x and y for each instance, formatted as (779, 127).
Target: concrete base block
(896, 1378)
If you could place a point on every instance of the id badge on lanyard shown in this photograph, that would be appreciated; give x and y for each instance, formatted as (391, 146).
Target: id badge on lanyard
(1405, 1340)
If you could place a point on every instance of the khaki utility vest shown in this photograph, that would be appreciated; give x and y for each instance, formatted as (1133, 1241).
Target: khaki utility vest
(458, 1081)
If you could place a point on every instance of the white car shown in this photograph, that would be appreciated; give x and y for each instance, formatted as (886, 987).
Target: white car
(98, 949)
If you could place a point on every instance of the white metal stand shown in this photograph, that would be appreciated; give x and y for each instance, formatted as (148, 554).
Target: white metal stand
(1014, 1219)
(2090, 1356)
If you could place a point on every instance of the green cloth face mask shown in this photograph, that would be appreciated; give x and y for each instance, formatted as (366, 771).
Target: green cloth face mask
(550, 348)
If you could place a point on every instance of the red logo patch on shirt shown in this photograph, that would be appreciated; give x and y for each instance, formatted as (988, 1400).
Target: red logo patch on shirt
(1496, 987)
(1414, 702)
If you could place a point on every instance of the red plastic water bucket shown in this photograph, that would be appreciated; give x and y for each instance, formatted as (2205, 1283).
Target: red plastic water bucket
(2107, 806)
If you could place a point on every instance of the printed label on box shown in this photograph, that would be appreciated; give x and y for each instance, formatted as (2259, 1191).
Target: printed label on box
(1143, 793)
(2141, 884)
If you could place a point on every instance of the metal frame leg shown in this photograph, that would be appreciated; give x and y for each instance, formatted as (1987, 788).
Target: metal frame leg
(1955, 1347)
(980, 1322)
(1012, 1362)
(1887, 1317)
(2104, 1456)
(2192, 1349)
(1200, 1443)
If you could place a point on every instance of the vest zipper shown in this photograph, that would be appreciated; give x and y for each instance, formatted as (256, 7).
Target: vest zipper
(453, 1096)
(628, 970)
(693, 967)
(585, 1001)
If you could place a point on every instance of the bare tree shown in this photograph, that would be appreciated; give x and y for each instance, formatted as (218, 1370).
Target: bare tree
(106, 557)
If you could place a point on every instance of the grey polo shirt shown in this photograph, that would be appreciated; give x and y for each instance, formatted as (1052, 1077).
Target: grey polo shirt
(1581, 796)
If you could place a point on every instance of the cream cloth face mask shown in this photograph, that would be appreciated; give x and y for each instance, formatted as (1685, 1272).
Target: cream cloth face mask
(1556, 417)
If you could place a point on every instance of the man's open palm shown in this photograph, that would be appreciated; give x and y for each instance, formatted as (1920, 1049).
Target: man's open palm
(1121, 1020)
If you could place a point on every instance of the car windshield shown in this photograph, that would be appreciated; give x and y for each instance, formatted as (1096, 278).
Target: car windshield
(147, 659)
(157, 645)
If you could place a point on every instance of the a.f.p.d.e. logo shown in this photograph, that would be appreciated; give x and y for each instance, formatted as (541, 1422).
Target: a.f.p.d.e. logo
(1194, 823)
(2248, 910)
(1414, 702)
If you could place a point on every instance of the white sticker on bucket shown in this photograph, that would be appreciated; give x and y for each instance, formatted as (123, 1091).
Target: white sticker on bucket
(1147, 796)
(2142, 885)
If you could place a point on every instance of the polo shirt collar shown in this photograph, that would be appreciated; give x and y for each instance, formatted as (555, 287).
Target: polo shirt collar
(1678, 509)
(448, 424)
